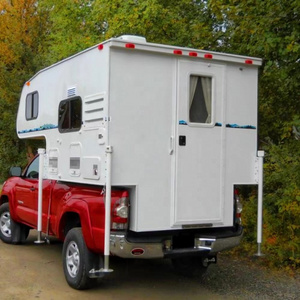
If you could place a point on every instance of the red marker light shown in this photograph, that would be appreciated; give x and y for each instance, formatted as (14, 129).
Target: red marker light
(177, 52)
(208, 56)
(130, 46)
(100, 47)
(137, 251)
(249, 61)
(195, 54)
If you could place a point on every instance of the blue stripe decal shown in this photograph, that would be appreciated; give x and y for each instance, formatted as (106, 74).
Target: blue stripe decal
(218, 124)
(43, 127)
(240, 126)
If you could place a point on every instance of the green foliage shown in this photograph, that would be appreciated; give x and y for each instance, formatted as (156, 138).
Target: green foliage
(281, 222)
(19, 40)
(69, 28)
(282, 203)
(182, 23)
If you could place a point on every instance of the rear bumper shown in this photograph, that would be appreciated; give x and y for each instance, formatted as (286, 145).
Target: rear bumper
(203, 246)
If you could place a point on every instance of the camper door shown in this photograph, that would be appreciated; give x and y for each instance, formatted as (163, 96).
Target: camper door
(199, 166)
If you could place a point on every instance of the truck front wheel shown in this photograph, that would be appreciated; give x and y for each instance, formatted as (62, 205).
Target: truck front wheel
(5, 228)
(78, 260)
(11, 232)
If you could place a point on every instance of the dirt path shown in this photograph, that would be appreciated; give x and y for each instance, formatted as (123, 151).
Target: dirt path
(35, 272)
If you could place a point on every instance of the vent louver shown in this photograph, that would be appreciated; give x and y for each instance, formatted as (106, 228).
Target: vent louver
(71, 92)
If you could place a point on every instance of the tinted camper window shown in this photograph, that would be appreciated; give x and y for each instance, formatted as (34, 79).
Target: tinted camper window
(70, 115)
(32, 106)
(200, 108)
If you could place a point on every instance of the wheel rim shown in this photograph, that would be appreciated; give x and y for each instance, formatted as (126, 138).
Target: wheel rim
(5, 224)
(73, 259)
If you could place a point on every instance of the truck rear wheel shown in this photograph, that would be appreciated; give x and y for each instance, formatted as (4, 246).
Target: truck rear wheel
(11, 232)
(78, 260)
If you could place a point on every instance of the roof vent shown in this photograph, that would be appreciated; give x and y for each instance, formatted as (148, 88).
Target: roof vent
(133, 38)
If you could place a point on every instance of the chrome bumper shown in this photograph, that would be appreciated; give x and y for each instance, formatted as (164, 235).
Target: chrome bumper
(121, 247)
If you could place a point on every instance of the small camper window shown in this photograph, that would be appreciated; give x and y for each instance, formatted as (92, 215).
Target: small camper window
(200, 101)
(32, 106)
(70, 115)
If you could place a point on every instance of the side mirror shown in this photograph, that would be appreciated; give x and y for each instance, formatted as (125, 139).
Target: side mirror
(15, 171)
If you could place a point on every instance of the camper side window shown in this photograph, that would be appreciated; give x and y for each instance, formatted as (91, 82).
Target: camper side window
(32, 106)
(200, 101)
(70, 115)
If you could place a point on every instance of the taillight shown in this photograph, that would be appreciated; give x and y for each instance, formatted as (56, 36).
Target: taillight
(120, 211)
(238, 207)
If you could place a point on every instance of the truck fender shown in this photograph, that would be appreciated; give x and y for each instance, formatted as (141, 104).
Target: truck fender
(79, 207)
(8, 195)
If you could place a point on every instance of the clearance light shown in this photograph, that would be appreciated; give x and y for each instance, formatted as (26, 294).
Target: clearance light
(195, 54)
(208, 56)
(249, 61)
(100, 47)
(28, 83)
(130, 46)
(177, 52)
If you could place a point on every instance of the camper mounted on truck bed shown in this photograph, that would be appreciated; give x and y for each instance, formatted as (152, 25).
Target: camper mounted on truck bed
(145, 146)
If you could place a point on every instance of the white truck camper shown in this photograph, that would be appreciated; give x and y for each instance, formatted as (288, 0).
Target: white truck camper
(175, 126)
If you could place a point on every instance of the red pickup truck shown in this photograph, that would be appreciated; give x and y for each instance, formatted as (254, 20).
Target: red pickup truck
(75, 213)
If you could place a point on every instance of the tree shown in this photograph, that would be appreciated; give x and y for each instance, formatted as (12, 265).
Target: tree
(69, 28)
(20, 37)
(182, 23)
(271, 30)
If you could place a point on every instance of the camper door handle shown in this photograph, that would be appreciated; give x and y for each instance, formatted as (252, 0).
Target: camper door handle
(32, 188)
(171, 146)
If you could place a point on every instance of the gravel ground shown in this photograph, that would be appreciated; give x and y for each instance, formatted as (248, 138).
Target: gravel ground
(33, 271)
(249, 279)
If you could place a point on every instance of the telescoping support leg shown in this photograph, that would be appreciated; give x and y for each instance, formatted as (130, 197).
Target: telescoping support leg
(260, 155)
(41, 153)
(106, 268)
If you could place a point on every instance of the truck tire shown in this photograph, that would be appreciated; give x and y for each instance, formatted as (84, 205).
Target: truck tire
(78, 260)
(189, 266)
(5, 223)
(11, 232)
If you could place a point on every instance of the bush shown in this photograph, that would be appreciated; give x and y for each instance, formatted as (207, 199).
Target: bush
(281, 222)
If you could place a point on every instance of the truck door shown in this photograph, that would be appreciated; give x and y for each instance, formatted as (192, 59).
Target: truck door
(26, 195)
(199, 166)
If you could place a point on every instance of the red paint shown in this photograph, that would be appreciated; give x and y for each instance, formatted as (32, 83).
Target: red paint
(84, 201)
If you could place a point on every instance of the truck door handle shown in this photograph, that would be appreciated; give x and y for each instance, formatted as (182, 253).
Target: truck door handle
(32, 188)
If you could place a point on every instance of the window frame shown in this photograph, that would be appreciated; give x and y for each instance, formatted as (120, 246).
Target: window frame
(34, 111)
(32, 167)
(69, 109)
(212, 114)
